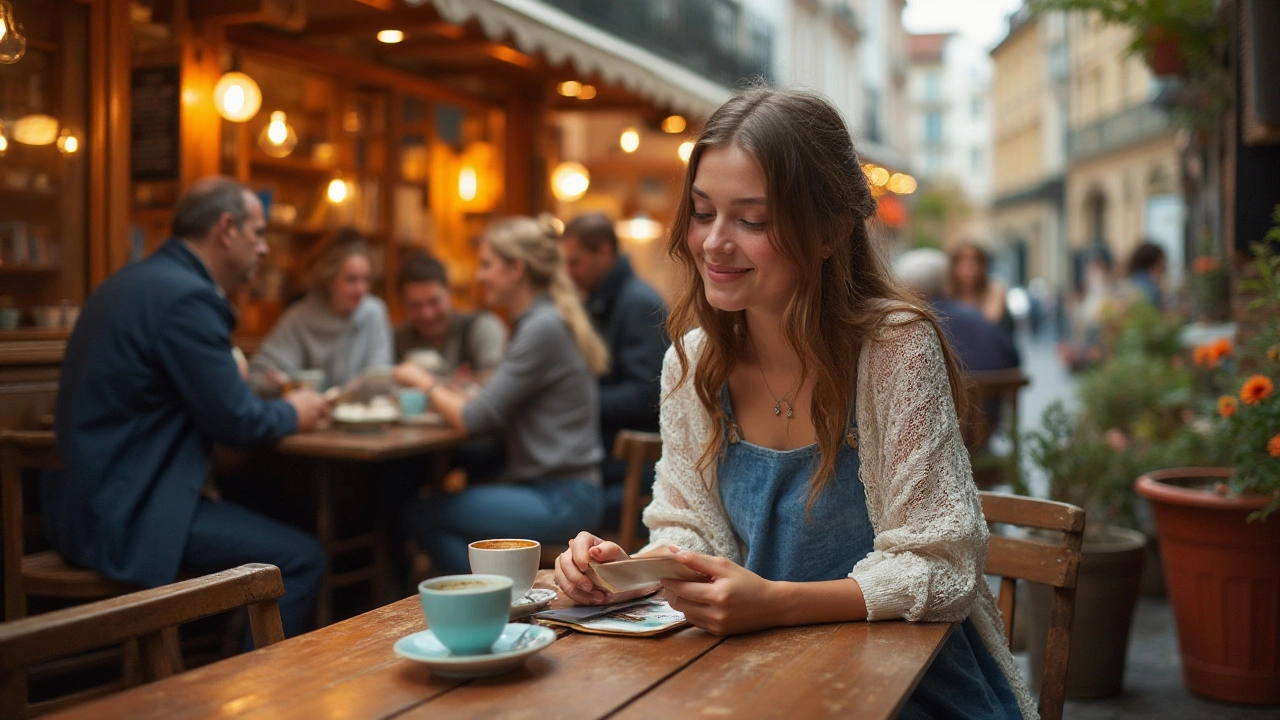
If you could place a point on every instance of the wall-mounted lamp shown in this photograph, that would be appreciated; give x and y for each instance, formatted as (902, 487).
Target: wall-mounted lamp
(278, 138)
(629, 140)
(13, 44)
(68, 144)
(685, 150)
(36, 130)
(338, 191)
(237, 97)
(570, 181)
(674, 124)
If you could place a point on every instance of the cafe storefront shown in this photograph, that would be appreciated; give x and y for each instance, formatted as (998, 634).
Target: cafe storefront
(416, 121)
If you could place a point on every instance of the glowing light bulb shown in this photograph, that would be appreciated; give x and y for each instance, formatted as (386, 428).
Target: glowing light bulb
(237, 97)
(570, 181)
(685, 150)
(674, 124)
(278, 138)
(587, 92)
(630, 140)
(337, 191)
(390, 37)
(4, 142)
(68, 144)
(468, 185)
(569, 88)
(13, 44)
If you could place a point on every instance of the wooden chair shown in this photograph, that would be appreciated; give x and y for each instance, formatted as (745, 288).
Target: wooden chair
(146, 615)
(635, 449)
(995, 386)
(40, 574)
(1049, 563)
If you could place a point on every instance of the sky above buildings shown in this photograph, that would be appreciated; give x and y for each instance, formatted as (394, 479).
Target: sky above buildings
(982, 21)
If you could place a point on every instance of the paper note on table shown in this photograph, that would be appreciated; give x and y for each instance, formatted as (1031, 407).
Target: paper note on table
(625, 575)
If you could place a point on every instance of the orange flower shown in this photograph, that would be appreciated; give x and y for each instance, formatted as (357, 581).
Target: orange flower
(1273, 446)
(1219, 349)
(1204, 264)
(1200, 356)
(1226, 406)
(1256, 389)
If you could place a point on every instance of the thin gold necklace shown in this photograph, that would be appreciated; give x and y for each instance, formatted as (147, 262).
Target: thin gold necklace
(778, 402)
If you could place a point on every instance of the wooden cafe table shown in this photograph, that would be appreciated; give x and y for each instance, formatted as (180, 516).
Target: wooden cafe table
(328, 447)
(348, 670)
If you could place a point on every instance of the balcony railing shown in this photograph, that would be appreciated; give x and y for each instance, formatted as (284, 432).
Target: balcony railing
(1117, 132)
(715, 38)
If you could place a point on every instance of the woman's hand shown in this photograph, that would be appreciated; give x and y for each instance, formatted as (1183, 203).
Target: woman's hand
(573, 563)
(407, 373)
(734, 601)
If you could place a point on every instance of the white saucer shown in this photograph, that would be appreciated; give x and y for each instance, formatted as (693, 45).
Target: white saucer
(536, 600)
(425, 648)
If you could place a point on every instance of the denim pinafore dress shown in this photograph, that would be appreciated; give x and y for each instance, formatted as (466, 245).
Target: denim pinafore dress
(765, 493)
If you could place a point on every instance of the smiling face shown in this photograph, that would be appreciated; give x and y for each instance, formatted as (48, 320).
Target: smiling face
(728, 237)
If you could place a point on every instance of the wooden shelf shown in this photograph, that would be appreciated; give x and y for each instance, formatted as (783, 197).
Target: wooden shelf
(28, 194)
(29, 270)
(291, 165)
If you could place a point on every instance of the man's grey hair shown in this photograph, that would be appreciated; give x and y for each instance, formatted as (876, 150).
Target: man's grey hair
(204, 203)
(924, 270)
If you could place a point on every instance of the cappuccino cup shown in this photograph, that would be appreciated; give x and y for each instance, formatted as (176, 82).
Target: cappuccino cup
(466, 613)
(510, 557)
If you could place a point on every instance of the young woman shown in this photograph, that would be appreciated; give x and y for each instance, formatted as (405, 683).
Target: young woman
(338, 327)
(541, 399)
(812, 461)
(970, 282)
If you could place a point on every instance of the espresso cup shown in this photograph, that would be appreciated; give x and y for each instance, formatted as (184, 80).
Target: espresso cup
(510, 557)
(466, 613)
(412, 402)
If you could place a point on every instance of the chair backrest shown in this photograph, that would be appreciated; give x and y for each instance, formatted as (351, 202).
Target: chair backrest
(20, 451)
(144, 615)
(1056, 564)
(1000, 388)
(634, 448)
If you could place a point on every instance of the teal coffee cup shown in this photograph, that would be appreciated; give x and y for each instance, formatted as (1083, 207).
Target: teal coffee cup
(412, 402)
(466, 613)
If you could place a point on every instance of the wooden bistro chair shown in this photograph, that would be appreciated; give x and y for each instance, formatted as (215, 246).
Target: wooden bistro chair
(1000, 386)
(1049, 563)
(145, 615)
(635, 449)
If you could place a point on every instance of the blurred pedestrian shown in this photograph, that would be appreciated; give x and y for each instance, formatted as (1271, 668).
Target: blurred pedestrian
(970, 282)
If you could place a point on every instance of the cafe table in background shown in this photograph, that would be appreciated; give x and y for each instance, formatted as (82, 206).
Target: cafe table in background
(349, 670)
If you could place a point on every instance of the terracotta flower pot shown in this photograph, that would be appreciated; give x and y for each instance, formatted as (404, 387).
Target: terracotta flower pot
(1223, 575)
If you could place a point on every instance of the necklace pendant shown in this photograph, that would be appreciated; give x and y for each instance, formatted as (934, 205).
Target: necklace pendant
(777, 410)
(791, 412)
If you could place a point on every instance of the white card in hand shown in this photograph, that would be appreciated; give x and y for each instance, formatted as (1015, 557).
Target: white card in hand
(625, 575)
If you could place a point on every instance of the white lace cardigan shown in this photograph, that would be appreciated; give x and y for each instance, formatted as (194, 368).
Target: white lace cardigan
(930, 535)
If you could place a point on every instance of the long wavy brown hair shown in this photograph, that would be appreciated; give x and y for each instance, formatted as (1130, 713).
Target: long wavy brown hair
(819, 205)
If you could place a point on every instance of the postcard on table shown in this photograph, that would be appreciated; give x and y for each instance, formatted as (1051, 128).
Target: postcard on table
(640, 618)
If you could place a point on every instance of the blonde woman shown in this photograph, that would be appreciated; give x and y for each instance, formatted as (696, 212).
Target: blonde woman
(541, 400)
(339, 327)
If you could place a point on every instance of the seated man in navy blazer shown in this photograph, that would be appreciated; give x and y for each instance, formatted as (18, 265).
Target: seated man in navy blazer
(148, 386)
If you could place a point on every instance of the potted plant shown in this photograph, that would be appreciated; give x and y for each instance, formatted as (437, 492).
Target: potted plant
(1221, 553)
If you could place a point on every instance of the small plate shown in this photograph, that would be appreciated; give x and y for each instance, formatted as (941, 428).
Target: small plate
(425, 648)
(536, 600)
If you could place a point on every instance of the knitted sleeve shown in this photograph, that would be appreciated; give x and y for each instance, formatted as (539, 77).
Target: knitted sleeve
(930, 535)
(686, 509)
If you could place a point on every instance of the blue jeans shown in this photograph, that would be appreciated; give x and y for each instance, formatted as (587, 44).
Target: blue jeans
(224, 535)
(549, 511)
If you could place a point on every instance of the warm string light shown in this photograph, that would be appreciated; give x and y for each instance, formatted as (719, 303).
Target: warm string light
(685, 150)
(68, 144)
(278, 138)
(674, 124)
(570, 181)
(237, 97)
(390, 37)
(629, 140)
(468, 183)
(337, 191)
(13, 44)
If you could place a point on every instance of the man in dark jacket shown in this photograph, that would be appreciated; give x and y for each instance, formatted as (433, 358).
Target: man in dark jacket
(148, 386)
(631, 317)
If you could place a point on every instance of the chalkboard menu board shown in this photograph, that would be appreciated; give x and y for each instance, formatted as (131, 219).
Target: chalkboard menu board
(155, 123)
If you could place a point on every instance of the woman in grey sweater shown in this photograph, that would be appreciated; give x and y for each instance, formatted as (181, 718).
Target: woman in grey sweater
(541, 400)
(339, 327)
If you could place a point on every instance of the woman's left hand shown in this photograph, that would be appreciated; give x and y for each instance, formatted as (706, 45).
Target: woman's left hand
(734, 601)
(407, 373)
